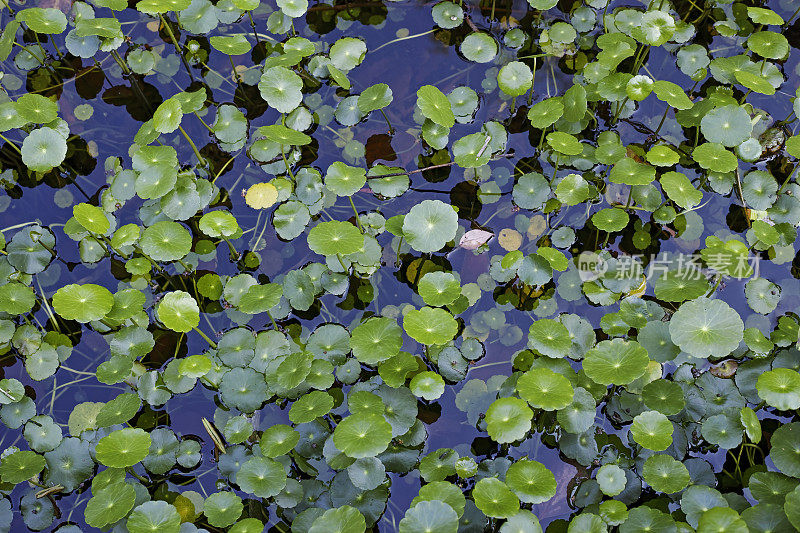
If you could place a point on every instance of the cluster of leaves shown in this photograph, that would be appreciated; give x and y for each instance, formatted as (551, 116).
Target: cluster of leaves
(670, 403)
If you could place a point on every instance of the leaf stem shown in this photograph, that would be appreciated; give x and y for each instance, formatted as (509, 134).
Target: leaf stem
(286, 162)
(358, 221)
(177, 46)
(137, 476)
(120, 62)
(9, 141)
(788, 178)
(274, 324)
(231, 248)
(209, 341)
(619, 110)
(200, 158)
(391, 129)
(790, 19)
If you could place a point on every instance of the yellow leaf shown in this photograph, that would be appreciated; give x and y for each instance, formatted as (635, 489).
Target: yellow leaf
(261, 196)
(185, 508)
(510, 239)
(537, 226)
(640, 290)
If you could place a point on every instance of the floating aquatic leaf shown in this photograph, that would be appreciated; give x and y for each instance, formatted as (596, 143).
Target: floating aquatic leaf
(768, 44)
(447, 15)
(365, 435)
(664, 396)
(374, 97)
(261, 196)
(680, 190)
(344, 180)
(261, 477)
(546, 113)
(44, 149)
(281, 88)
(335, 238)
(629, 172)
(715, 157)
(123, 448)
(427, 385)
(430, 225)
(282, 135)
(616, 362)
(655, 28)
(222, 508)
(531, 481)
(166, 241)
(232, 45)
(430, 325)
(652, 430)
(564, 143)
(47, 20)
(706, 328)
(119, 410)
(545, 389)
(20, 465)
(179, 311)
(293, 8)
(780, 388)
(344, 519)
(610, 219)
(429, 516)
(347, 53)
(479, 47)
(83, 303)
(168, 115)
(439, 288)
(672, 94)
(665, 474)
(515, 78)
(728, 125)
(611, 479)
(639, 87)
(435, 106)
(494, 498)
(508, 419)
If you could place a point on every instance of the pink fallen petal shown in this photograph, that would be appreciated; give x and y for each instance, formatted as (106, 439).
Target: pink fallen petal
(475, 238)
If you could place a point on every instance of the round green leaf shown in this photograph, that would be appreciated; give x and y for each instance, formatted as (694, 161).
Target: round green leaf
(615, 361)
(430, 325)
(83, 303)
(508, 419)
(427, 385)
(281, 88)
(479, 47)
(364, 435)
(232, 45)
(430, 225)
(531, 481)
(430, 517)
(335, 237)
(706, 328)
(123, 448)
(179, 311)
(435, 106)
(665, 474)
(494, 498)
(780, 388)
(652, 430)
(545, 389)
(515, 79)
(768, 44)
(21, 465)
(43, 149)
